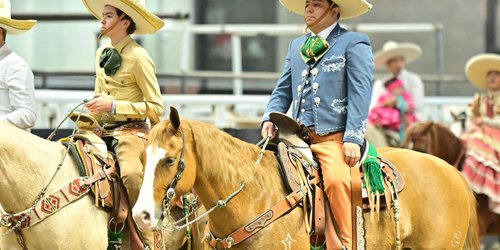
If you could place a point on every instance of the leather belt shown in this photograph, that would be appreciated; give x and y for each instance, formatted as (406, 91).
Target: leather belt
(335, 136)
(140, 129)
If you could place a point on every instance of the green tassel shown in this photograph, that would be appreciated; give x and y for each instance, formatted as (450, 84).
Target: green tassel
(115, 240)
(322, 247)
(373, 172)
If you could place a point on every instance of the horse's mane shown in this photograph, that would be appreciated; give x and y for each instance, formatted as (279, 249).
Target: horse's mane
(220, 152)
(443, 143)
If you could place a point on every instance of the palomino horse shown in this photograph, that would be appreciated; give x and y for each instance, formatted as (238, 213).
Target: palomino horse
(438, 140)
(27, 163)
(437, 207)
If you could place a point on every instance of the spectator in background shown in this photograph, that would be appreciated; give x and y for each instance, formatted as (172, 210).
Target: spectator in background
(394, 57)
(17, 89)
(394, 109)
(482, 164)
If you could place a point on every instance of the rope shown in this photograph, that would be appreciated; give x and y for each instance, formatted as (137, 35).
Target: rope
(219, 204)
(85, 101)
(263, 150)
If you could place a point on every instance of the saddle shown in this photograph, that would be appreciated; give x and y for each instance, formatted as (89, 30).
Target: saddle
(297, 164)
(101, 170)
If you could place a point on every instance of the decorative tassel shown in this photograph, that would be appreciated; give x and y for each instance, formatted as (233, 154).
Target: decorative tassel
(322, 247)
(115, 240)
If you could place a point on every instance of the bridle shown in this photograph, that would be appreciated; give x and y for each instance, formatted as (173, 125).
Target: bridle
(167, 199)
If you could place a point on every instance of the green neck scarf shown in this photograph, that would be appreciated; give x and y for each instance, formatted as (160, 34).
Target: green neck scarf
(314, 48)
(110, 60)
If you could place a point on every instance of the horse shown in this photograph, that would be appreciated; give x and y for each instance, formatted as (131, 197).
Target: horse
(27, 163)
(436, 139)
(437, 207)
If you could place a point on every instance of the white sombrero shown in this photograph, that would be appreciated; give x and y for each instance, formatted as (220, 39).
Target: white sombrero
(478, 67)
(13, 26)
(348, 8)
(145, 21)
(409, 51)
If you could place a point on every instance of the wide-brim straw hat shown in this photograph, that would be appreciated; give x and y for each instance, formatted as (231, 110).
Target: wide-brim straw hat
(410, 52)
(477, 68)
(13, 26)
(348, 8)
(145, 21)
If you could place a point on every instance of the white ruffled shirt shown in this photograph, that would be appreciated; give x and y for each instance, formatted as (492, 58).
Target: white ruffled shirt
(17, 90)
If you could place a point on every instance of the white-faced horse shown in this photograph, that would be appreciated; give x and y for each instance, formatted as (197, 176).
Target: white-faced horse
(437, 206)
(27, 163)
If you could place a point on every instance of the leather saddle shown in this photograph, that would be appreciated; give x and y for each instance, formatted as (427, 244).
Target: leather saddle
(102, 171)
(295, 148)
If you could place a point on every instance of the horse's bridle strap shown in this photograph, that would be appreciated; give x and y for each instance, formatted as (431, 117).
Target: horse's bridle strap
(261, 221)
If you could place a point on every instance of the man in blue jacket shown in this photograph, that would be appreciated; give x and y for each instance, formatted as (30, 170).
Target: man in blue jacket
(327, 80)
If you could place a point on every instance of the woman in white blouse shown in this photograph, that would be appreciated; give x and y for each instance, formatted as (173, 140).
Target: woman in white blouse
(17, 90)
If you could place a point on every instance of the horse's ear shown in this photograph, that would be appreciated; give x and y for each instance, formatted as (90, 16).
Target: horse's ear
(428, 125)
(175, 119)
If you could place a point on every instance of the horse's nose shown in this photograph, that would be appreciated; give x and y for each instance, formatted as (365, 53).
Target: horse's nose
(143, 220)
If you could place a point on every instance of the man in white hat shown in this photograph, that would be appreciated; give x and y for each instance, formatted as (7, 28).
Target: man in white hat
(126, 88)
(17, 90)
(394, 57)
(327, 80)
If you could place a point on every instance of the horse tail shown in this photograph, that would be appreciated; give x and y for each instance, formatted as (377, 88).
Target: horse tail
(472, 239)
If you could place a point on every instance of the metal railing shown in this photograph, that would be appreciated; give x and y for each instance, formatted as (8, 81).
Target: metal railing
(224, 111)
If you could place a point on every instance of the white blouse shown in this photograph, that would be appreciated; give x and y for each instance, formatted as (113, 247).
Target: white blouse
(17, 90)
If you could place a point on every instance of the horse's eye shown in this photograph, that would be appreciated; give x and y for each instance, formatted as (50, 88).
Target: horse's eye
(169, 161)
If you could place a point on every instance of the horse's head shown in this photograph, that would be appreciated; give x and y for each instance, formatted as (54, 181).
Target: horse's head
(170, 170)
(418, 137)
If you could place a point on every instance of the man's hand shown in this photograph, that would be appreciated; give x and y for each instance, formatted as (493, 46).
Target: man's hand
(268, 129)
(100, 103)
(352, 153)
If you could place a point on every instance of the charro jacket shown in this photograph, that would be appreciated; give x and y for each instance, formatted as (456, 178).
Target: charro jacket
(134, 86)
(338, 86)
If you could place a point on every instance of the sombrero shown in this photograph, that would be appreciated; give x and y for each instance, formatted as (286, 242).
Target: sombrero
(478, 67)
(391, 49)
(13, 26)
(348, 8)
(145, 21)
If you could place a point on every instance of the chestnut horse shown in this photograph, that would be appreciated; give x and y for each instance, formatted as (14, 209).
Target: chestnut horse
(437, 207)
(438, 140)
(27, 162)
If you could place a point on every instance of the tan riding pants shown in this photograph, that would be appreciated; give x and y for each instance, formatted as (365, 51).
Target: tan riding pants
(128, 153)
(337, 185)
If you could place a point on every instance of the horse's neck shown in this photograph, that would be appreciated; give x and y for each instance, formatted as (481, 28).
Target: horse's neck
(447, 147)
(26, 165)
(223, 169)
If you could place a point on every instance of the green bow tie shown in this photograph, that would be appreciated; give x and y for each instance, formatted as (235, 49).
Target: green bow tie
(314, 48)
(110, 60)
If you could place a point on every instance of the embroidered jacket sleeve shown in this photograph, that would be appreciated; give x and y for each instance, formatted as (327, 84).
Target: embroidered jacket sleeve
(281, 96)
(359, 77)
(21, 94)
